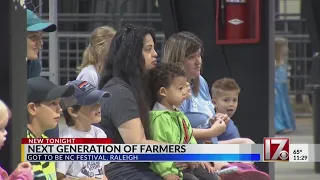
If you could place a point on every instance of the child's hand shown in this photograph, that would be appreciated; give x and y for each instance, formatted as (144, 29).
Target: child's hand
(224, 117)
(218, 126)
(182, 165)
(104, 178)
(209, 167)
(171, 177)
(23, 166)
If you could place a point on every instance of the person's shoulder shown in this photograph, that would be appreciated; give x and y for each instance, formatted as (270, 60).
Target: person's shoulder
(203, 84)
(232, 126)
(67, 133)
(99, 132)
(162, 115)
(181, 114)
(231, 121)
(117, 84)
(87, 70)
(204, 89)
(88, 73)
(202, 80)
(89, 67)
(118, 89)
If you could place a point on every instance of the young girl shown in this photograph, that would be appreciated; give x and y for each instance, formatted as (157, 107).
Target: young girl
(284, 117)
(81, 111)
(24, 169)
(94, 55)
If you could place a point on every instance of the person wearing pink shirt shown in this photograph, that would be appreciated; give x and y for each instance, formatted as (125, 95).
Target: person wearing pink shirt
(24, 169)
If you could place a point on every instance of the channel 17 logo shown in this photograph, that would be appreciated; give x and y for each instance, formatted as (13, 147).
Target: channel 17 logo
(276, 149)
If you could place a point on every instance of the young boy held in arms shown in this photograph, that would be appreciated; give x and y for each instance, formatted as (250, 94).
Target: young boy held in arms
(43, 114)
(81, 111)
(169, 89)
(225, 94)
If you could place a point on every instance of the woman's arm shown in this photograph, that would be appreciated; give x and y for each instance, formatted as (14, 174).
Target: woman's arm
(132, 132)
(122, 109)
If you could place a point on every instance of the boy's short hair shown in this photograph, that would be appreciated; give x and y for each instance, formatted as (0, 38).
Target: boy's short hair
(41, 89)
(163, 75)
(224, 84)
(67, 116)
(85, 95)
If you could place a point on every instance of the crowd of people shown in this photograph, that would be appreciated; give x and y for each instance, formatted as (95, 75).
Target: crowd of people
(123, 93)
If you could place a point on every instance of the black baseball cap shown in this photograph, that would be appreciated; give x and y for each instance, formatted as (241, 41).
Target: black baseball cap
(85, 95)
(41, 89)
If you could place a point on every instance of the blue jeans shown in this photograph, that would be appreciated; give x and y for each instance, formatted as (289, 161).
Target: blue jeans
(198, 174)
(130, 171)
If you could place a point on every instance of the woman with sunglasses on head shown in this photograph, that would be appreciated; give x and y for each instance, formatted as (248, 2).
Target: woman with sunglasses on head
(125, 115)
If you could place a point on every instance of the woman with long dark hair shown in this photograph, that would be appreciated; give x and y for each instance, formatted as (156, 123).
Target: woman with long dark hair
(125, 115)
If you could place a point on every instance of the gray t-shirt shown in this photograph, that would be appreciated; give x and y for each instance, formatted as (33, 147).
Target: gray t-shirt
(116, 110)
(90, 75)
(82, 169)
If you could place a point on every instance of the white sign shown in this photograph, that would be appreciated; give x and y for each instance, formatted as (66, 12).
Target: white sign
(235, 21)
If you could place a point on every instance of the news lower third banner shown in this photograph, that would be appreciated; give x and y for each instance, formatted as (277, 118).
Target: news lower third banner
(93, 149)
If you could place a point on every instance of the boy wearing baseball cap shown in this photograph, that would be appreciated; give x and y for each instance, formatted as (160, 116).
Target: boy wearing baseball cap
(44, 113)
(81, 111)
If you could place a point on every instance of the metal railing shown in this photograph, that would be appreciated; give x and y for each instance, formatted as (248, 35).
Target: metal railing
(72, 45)
(289, 24)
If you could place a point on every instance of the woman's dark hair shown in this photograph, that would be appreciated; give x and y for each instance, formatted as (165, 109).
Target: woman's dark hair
(125, 60)
(69, 120)
(163, 76)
